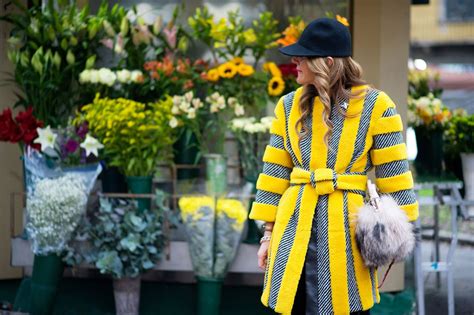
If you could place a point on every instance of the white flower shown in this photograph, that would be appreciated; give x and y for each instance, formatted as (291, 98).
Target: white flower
(267, 121)
(94, 76)
(85, 76)
(214, 108)
(46, 137)
(175, 110)
(221, 102)
(437, 102)
(232, 101)
(197, 103)
(173, 122)
(239, 110)
(136, 76)
(107, 76)
(184, 106)
(123, 76)
(177, 100)
(423, 102)
(240, 123)
(250, 128)
(189, 96)
(91, 145)
(191, 113)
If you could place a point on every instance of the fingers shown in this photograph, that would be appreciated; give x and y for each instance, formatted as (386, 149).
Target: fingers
(262, 263)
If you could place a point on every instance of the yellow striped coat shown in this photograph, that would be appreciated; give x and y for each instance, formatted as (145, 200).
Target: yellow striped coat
(312, 192)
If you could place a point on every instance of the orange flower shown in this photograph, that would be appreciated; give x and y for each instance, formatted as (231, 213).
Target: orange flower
(342, 20)
(291, 34)
(155, 75)
(182, 66)
(188, 85)
(150, 65)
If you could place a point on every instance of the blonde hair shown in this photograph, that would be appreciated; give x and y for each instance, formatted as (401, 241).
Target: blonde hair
(332, 83)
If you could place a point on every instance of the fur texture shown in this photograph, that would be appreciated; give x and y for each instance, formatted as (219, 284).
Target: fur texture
(384, 234)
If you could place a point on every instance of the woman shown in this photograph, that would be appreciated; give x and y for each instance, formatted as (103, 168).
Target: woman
(326, 136)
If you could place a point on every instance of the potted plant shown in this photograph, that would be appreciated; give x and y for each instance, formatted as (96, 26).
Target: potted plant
(460, 140)
(214, 228)
(429, 117)
(136, 136)
(125, 243)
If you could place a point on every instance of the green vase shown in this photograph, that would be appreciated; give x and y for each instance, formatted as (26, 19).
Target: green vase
(47, 273)
(185, 152)
(141, 185)
(253, 232)
(209, 291)
(216, 174)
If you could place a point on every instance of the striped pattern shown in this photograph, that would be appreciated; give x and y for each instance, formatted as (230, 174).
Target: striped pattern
(316, 231)
(394, 168)
(283, 253)
(366, 114)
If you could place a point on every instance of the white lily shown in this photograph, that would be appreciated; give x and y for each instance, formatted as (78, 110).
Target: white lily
(46, 137)
(91, 145)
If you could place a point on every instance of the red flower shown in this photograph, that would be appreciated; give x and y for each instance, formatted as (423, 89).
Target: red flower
(288, 69)
(9, 130)
(28, 125)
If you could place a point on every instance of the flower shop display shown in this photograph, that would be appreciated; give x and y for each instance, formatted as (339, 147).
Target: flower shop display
(56, 202)
(214, 230)
(48, 46)
(460, 141)
(136, 136)
(428, 116)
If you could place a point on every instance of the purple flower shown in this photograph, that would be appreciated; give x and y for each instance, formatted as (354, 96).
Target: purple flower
(71, 146)
(82, 130)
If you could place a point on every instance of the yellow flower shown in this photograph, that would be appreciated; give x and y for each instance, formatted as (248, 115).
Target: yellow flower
(276, 86)
(249, 36)
(234, 209)
(193, 206)
(227, 70)
(342, 20)
(219, 30)
(130, 124)
(237, 61)
(245, 70)
(213, 75)
(272, 68)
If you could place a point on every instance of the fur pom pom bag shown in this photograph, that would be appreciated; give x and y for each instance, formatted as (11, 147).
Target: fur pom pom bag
(383, 233)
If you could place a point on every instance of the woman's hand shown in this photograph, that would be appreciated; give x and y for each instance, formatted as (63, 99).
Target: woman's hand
(262, 253)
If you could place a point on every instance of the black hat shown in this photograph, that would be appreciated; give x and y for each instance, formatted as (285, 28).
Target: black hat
(322, 38)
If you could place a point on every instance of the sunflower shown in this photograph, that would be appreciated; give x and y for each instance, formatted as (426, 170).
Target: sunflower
(272, 68)
(276, 86)
(237, 61)
(227, 70)
(213, 75)
(245, 70)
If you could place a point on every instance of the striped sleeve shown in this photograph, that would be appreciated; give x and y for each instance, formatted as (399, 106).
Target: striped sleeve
(389, 156)
(275, 177)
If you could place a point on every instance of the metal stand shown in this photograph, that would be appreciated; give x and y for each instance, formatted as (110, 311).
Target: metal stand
(445, 193)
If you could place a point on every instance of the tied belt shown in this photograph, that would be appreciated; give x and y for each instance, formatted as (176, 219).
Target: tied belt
(325, 180)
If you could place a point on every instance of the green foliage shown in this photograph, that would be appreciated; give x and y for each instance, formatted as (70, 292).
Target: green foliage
(460, 134)
(49, 47)
(126, 242)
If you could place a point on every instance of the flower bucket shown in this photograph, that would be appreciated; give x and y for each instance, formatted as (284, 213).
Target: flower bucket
(209, 291)
(113, 181)
(185, 152)
(429, 160)
(216, 174)
(47, 272)
(127, 295)
(141, 185)
(468, 174)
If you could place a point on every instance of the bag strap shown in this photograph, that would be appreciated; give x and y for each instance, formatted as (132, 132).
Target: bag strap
(386, 274)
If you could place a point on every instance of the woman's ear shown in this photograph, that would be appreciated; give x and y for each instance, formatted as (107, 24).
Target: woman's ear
(329, 61)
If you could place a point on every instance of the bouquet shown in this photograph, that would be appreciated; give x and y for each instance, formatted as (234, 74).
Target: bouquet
(56, 201)
(252, 136)
(207, 120)
(460, 133)
(214, 231)
(428, 112)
